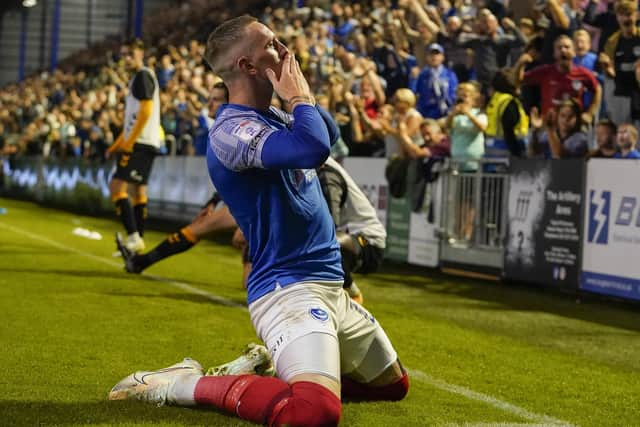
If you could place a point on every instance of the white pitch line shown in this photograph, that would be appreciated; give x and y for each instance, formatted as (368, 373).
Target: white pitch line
(489, 400)
(540, 419)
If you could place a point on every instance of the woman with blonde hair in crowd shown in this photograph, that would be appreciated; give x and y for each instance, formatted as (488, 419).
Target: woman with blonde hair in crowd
(402, 126)
(466, 124)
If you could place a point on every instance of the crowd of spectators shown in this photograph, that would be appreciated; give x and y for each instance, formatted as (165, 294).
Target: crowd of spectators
(408, 78)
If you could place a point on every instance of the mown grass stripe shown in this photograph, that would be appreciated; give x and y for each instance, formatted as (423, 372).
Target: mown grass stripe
(180, 285)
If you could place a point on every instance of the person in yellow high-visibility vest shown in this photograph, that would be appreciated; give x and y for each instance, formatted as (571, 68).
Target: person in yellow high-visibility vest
(508, 123)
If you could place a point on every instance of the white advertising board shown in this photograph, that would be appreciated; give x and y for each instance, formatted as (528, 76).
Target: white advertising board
(368, 173)
(612, 228)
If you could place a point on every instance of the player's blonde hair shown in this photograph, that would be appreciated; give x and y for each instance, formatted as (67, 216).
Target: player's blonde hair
(221, 43)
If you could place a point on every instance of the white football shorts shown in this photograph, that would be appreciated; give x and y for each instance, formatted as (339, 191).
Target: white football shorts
(315, 328)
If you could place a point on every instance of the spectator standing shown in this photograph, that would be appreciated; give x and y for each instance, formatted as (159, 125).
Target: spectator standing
(560, 21)
(490, 46)
(403, 125)
(621, 61)
(562, 80)
(457, 57)
(436, 85)
(507, 122)
(466, 124)
(605, 21)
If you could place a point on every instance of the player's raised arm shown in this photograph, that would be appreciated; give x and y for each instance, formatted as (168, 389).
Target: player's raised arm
(307, 143)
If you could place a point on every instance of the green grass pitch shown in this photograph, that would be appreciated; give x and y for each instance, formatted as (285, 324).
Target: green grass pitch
(480, 354)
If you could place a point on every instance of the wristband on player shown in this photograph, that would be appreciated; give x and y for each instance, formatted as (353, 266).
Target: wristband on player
(301, 99)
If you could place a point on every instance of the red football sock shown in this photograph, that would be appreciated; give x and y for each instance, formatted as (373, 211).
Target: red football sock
(270, 400)
(310, 404)
(352, 390)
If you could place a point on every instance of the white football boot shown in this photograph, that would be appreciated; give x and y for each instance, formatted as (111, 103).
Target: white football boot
(255, 359)
(135, 243)
(155, 386)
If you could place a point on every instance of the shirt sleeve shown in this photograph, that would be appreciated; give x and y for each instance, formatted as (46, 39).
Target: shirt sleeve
(238, 142)
(305, 146)
(143, 85)
(246, 142)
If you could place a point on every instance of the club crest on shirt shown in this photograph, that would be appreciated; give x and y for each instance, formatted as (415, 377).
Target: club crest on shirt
(319, 314)
(576, 85)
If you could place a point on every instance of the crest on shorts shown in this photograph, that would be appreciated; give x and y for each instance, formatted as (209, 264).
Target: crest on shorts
(319, 314)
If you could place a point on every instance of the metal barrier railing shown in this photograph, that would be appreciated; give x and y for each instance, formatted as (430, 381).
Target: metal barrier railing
(474, 212)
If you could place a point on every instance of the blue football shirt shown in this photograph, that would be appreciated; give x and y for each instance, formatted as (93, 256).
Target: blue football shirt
(263, 165)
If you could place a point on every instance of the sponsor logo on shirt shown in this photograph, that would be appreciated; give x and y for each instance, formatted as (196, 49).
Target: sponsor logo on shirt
(247, 130)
